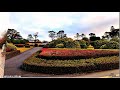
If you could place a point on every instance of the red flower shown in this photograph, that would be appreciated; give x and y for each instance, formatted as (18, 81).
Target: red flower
(71, 53)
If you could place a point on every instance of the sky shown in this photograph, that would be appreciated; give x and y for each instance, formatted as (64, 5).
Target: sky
(71, 22)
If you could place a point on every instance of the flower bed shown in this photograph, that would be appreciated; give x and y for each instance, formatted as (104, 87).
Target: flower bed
(63, 54)
(70, 66)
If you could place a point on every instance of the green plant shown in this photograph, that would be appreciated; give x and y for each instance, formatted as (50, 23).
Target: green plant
(69, 66)
(103, 47)
(67, 42)
(90, 47)
(27, 46)
(97, 44)
(11, 47)
(112, 45)
(60, 45)
(115, 39)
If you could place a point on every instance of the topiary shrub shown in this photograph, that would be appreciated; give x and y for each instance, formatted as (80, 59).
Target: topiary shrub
(60, 45)
(90, 47)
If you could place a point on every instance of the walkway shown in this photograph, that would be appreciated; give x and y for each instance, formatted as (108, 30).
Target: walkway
(12, 65)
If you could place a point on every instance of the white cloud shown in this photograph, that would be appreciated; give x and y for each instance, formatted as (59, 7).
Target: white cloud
(42, 22)
(4, 22)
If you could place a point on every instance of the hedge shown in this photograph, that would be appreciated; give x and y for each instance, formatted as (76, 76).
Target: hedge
(12, 54)
(19, 45)
(69, 66)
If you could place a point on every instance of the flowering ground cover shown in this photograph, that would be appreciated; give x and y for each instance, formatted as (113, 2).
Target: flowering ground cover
(62, 54)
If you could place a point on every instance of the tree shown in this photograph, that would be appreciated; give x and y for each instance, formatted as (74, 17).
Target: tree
(82, 35)
(113, 33)
(13, 34)
(30, 37)
(77, 36)
(61, 34)
(52, 34)
(35, 35)
(92, 35)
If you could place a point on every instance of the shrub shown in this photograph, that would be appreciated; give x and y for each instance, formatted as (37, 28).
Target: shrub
(103, 47)
(71, 44)
(112, 45)
(36, 45)
(83, 44)
(60, 45)
(10, 47)
(97, 44)
(27, 46)
(19, 41)
(12, 54)
(75, 54)
(70, 66)
(19, 45)
(90, 47)
(115, 39)
(67, 42)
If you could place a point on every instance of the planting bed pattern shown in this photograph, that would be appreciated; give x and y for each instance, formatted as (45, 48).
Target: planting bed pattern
(52, 66)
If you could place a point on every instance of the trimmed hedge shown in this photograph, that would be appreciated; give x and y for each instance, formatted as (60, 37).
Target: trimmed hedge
(12, 54)
(27, 46)
(69, 66)
(19, 45)
(69, 54)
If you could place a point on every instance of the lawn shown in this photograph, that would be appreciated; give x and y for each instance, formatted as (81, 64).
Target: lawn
(23, 49)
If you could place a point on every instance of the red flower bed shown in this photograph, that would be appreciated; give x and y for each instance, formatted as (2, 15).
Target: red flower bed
(75, 54)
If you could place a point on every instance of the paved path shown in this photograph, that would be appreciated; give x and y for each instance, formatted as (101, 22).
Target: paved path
(12, 69)
(2, 64)
(12, 65)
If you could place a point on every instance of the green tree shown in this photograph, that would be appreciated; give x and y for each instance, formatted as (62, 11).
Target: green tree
(52, 34)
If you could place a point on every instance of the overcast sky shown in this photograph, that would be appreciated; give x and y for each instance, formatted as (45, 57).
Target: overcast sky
(71, 22)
